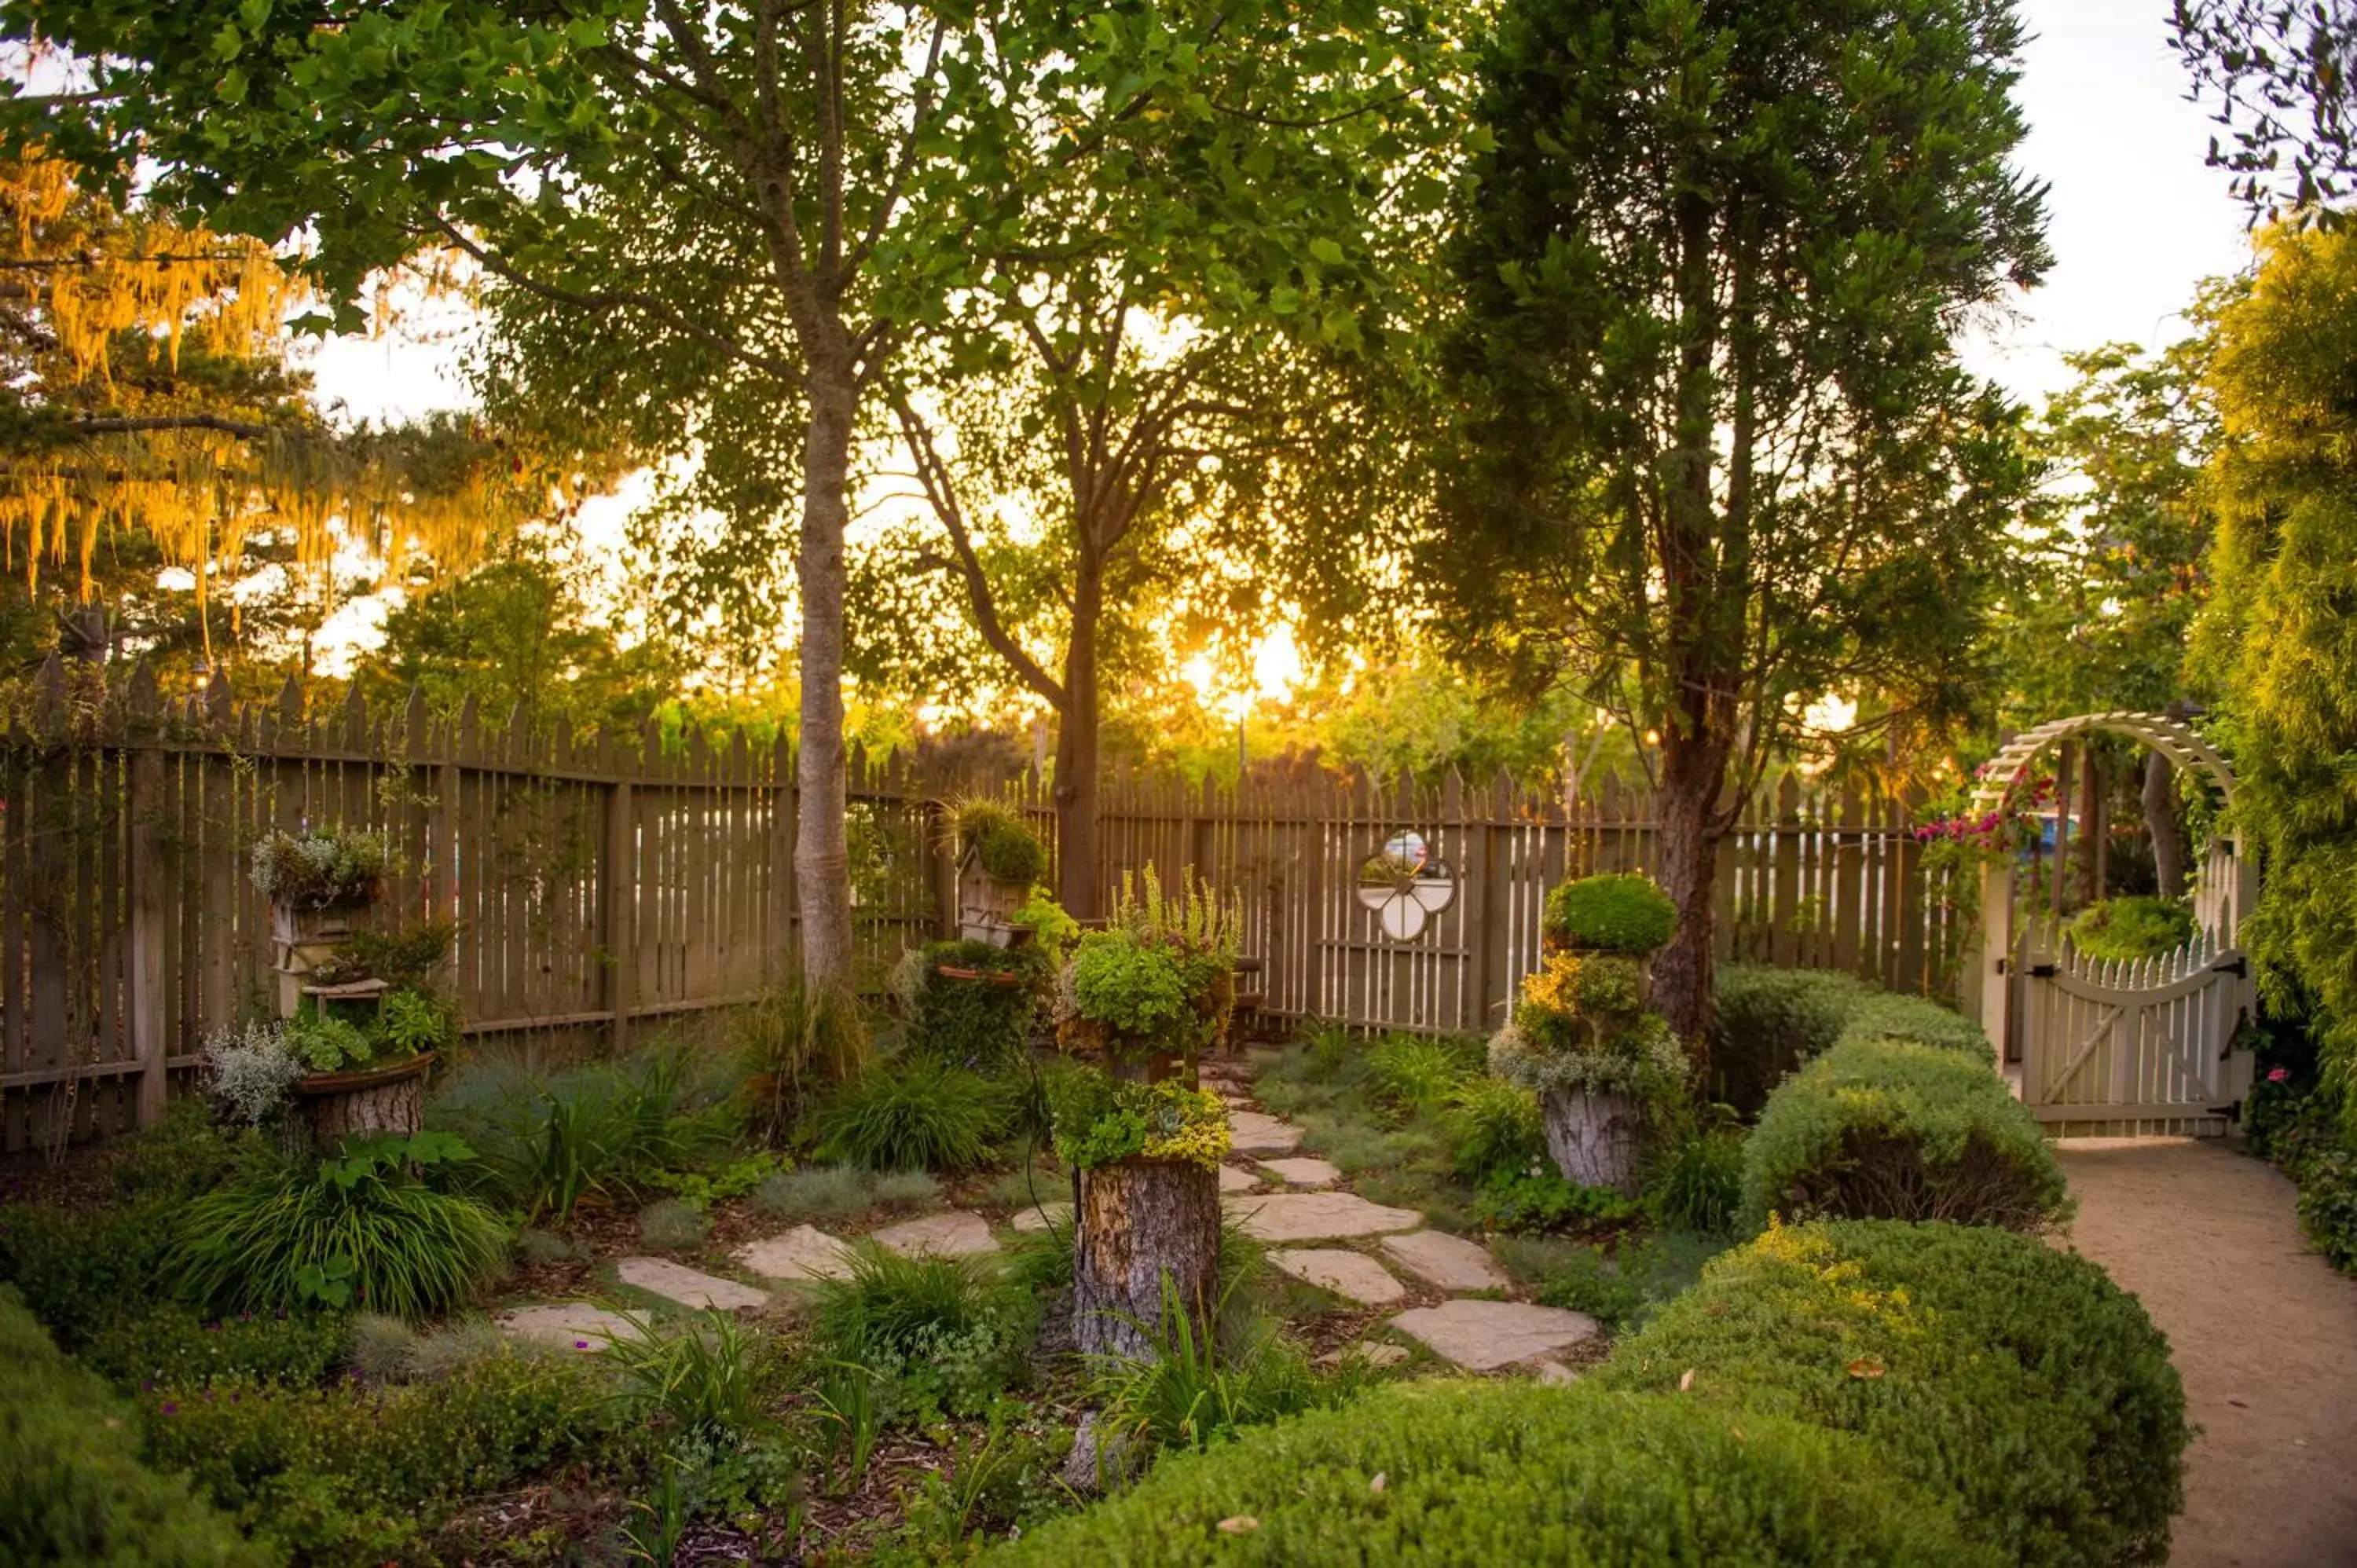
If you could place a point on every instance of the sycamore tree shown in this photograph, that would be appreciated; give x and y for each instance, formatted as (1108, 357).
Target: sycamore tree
(1721, 459)
(1147, 424)
(2275, 636)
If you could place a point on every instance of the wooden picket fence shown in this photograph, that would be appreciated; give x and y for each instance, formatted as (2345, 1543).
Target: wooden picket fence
(600, 883)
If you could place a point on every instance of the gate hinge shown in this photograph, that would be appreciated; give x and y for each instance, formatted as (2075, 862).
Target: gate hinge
(2239, 968)
(2004, 965)
(2043, 970)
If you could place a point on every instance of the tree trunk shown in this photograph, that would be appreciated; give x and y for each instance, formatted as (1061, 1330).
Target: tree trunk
(2090, 828)
(822, 847)
(1692, 778)
(2161, 821)
(1141, 1221)
(1078, 884)
(1593, 1137)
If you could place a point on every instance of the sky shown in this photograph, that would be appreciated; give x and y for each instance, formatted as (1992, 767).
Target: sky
(2135, 219)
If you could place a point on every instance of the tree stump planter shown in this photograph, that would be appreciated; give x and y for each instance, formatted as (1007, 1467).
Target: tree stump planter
(1137, 1221)
(378, 1099)
(1594, 1138)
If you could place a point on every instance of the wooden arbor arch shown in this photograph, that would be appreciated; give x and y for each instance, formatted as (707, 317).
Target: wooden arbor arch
(2114, 1047)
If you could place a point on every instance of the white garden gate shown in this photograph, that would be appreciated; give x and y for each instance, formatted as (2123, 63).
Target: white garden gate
(2111, 1047)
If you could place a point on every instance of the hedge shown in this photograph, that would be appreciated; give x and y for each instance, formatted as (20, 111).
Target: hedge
(1887, 1129)
(2016, 1380)
(1769, 1022)
(71, 1488)
(1457, 1472)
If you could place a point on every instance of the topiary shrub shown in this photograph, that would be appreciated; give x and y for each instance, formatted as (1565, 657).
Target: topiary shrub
(2131, 928)
(1893, 1130)
(2015, 1380)
(984, 1023)
(71, 1488)
(1767, 1022)
(1626, 913)
(1454, 1471)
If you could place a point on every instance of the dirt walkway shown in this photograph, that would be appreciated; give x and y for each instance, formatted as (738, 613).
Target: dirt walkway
(2264, 1333)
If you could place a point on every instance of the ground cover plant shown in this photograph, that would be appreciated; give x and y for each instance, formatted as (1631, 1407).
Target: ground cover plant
(72, 1489)
(1889, 1129)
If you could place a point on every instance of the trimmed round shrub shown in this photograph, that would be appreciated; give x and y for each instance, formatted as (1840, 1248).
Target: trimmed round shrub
(2015, 1380)
(1626, 913)
(1768, 1021)
(1892, 1130)
(71, 1486)
(1472, 1473)
(2131, 928)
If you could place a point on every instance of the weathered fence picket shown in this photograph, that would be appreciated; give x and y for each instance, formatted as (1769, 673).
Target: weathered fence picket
(601, 883)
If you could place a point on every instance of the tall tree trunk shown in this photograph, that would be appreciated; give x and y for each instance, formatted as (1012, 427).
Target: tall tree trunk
(1692, 777)
(1079, 882)
(2160, 797)
(821, 845)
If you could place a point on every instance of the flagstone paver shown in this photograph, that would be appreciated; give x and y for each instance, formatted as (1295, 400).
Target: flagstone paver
(1303, 1171)
(1555, 1375)
(954, 1234)
(1045, 1216)
(1370, 1352)
(1234, 1180)
(578, 1325)
(1448, 1262)
(1342, 1271)
(688, 1288)
(1483, 1336)
(804, 1252)
(1255, 1133)
(1317, 1217)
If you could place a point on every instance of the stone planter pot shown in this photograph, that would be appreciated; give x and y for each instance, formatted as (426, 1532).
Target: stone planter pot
(369, 1100)
(1137, 1220)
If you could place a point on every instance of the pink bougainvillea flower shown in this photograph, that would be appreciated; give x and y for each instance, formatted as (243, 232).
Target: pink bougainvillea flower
(2278, 1075)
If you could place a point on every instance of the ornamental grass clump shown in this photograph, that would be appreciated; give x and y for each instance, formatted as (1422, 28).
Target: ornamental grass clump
(1893, 1130)
(2014, 1379)
(914, 1116)
(1001, 843)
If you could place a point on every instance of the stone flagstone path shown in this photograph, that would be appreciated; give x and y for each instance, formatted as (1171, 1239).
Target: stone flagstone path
(1483, 1336)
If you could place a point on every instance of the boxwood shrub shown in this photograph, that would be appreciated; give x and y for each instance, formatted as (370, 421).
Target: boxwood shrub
(1887, 1129)
(71, 1486)
(1771, 1021)
(1457, 1472)
(1626, 913)
(2015, 1380)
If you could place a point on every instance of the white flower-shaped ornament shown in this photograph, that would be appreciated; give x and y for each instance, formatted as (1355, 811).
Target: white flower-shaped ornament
(1405, 884)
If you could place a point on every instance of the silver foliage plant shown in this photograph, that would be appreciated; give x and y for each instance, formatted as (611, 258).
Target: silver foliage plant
(1645, 1059)
(252, 1070)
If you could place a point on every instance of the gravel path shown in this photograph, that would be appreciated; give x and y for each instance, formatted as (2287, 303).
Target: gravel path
(2263, 1331)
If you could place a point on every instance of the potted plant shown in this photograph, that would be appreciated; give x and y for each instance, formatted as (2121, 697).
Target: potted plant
(1582, 1037)
(999, 861)
(354, 1059)
(1135, 1005)
(317, 879)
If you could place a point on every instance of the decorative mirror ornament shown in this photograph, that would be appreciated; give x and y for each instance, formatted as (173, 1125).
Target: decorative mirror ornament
(1405, 884)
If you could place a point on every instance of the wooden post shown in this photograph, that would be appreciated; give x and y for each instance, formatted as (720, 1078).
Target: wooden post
(1991, 955)
(2062, 871)
(148, 904)
(621, 937)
